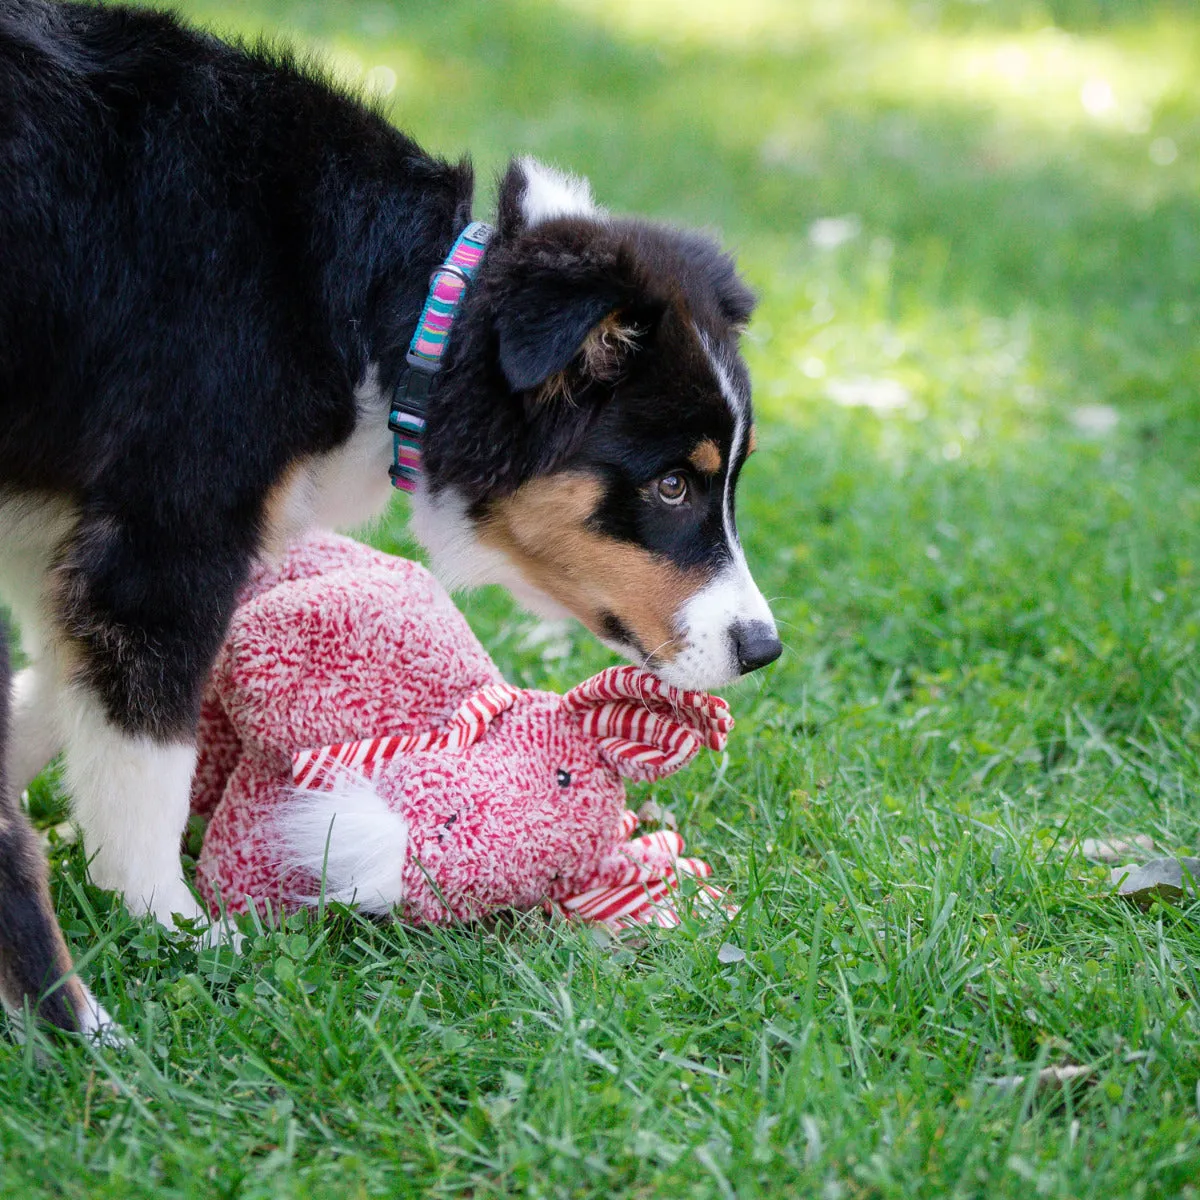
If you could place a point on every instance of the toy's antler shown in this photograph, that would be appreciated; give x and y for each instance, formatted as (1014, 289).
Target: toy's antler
(316, 770)
(646, 728)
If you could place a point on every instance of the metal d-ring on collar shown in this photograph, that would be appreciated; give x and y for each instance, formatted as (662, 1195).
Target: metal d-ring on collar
(447, 286)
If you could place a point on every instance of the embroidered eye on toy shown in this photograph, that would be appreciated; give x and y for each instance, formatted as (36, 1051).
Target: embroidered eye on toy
(357, 742)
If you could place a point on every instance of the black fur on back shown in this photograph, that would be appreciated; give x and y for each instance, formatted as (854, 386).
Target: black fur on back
(222, 238)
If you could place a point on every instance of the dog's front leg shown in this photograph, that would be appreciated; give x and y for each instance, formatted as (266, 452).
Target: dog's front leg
(139, 632)
(130, 794)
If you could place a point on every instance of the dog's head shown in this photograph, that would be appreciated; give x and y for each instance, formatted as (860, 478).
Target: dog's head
(585, 447)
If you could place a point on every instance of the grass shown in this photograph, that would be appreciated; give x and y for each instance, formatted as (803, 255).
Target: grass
(977, 507)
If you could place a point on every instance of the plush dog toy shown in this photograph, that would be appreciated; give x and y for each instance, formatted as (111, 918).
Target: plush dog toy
(357, 742)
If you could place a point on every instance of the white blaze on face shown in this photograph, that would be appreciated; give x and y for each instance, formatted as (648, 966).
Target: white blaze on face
(707, 620)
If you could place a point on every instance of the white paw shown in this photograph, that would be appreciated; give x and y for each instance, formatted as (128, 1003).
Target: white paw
(96, 1024)
(92, 1017)
(168, 905)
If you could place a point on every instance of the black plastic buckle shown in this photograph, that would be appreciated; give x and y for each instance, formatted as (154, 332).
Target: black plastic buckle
(412, 392)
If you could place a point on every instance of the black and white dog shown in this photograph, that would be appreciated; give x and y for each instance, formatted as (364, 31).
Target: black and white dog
(213, 263)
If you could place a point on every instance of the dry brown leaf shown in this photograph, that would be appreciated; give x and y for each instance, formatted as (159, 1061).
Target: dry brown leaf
(1159, 878)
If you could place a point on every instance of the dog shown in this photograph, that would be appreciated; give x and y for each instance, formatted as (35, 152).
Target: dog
(217, 266)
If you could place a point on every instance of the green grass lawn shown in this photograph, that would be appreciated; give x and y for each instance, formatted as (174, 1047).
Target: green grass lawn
(975, 231)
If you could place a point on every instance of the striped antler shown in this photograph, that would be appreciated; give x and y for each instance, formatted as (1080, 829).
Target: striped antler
(638, 883)
(317, 770)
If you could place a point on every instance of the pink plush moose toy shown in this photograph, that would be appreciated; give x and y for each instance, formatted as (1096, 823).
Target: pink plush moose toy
(357, 742)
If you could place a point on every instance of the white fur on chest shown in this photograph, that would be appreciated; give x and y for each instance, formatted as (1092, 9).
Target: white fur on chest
(460, 560)
(347, 487)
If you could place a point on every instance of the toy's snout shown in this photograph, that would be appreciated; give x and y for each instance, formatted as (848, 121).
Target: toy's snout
(645, 728)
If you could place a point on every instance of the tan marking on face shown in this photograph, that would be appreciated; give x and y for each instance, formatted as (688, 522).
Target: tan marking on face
(542, 530)
(752, 442)
(706, 457)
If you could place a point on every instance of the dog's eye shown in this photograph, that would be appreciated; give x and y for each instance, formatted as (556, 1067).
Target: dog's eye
(564, 778)
(672, 489)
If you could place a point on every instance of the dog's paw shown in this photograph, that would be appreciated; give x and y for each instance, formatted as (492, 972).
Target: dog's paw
(175, 908)
(96, 1024)
(93, 1022)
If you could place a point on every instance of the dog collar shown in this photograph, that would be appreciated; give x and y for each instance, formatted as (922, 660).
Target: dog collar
(447, 286)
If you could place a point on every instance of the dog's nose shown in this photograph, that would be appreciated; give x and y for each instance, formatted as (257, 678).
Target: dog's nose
(755, 643)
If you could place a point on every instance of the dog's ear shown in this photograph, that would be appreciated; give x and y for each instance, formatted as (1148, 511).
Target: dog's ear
(558, 298)
(548, 321)
(531, 192)
(736, 299)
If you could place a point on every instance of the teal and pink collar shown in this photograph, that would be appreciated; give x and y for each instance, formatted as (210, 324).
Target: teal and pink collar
(447, 286)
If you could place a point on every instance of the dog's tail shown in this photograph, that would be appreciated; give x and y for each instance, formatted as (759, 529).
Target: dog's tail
(33, 954)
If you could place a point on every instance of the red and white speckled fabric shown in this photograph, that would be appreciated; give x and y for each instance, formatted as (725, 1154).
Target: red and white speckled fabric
(351, 692)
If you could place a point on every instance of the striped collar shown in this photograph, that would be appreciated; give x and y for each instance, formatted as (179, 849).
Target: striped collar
(447, 286)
